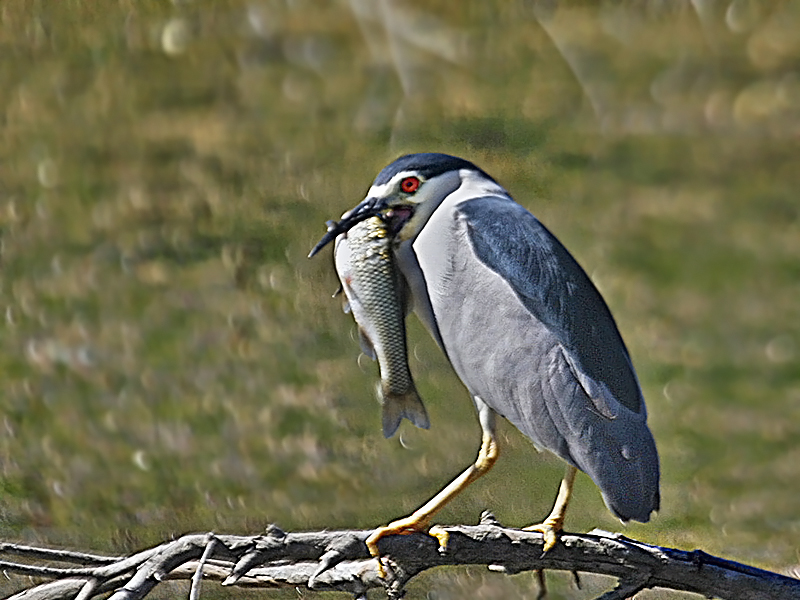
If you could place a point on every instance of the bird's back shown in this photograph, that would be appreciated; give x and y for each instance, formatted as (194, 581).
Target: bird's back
(528, 333)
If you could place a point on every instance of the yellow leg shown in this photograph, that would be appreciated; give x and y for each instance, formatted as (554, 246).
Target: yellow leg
(553, 524)
(420, 519)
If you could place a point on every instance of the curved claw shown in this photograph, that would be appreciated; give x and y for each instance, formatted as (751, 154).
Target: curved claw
(549, 528)
(405, 526)
(441, 534)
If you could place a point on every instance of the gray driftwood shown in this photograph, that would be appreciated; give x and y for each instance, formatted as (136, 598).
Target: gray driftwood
(338, 560)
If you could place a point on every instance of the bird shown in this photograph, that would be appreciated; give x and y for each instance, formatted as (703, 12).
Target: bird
(524, 328)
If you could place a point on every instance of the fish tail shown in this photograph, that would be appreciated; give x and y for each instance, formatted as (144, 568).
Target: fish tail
(399, 406)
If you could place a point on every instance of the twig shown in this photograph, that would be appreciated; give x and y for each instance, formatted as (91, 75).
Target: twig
(626, 588)
(87, 591)
(194, 592)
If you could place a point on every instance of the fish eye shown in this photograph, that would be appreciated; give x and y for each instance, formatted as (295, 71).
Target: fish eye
(409, 185)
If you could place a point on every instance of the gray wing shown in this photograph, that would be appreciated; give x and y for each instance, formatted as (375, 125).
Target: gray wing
(552, 285)
(542, 349)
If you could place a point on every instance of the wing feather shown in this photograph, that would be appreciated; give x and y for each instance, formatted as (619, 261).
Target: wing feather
(549, 282)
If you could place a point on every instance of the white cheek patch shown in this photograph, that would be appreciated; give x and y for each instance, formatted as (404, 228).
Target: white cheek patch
(380, 191)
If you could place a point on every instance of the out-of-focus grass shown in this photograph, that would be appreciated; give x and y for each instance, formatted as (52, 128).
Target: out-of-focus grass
(172, 362)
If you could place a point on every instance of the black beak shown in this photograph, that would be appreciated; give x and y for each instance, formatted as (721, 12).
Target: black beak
(369, 207)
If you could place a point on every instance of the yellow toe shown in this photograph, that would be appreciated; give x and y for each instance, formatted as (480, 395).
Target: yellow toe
(549, 529)
(404, 526)
(440, 534)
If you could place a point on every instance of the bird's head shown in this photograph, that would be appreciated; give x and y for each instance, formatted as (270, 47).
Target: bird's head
(405, 194)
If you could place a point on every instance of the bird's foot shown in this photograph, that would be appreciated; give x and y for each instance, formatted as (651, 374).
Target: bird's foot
(441, 534)
(405, 526)
(549, 528)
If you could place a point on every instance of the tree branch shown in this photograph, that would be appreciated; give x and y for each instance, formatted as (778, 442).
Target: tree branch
(338, 560)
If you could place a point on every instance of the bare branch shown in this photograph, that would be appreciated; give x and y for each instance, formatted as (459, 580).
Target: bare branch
(62, 555)
(194, 593)
(338, 560)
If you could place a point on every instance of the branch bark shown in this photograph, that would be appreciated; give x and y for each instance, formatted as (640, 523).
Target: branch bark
(338, 560)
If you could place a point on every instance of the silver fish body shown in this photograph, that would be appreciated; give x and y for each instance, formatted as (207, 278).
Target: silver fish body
(365, 264)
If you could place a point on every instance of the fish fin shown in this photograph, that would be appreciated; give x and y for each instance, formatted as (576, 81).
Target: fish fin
(346, 306)
(399, 406)
(366, 344)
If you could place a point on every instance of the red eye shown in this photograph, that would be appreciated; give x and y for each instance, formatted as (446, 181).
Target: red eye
(409, 185)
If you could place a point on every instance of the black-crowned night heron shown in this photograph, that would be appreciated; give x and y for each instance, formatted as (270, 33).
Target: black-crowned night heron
(523, 327)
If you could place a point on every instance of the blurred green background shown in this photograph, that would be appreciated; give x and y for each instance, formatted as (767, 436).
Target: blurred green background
(172, 362)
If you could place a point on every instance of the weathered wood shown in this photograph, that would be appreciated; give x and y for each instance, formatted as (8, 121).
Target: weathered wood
(338, 560)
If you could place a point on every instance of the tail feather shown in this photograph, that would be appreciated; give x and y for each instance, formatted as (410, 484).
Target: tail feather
(625, 469)
(403, 406)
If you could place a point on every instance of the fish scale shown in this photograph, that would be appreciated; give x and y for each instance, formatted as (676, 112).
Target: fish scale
(365, 263)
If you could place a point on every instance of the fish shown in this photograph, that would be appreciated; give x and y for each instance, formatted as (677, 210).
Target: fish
(375, 291)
